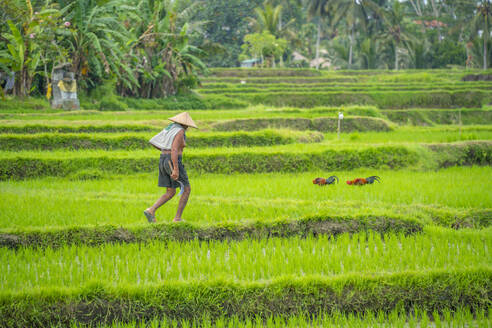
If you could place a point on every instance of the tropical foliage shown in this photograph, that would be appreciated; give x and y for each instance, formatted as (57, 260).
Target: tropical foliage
(141, 48)
(154, 49)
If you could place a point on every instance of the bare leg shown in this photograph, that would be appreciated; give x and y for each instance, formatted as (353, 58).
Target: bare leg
(182, 203)
(170, 192)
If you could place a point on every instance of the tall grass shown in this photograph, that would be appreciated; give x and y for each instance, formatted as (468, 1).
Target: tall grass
(247, 260)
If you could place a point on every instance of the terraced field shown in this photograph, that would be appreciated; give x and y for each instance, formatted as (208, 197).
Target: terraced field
(261, 246)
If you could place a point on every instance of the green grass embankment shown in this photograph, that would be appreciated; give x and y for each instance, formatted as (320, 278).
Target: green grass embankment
(322, 124)
(138, 141)
(50, 128)
(390, 99)
(247, 72)
(183, 102)
(96, 121)
(96, 303)
(229, 160)
(221, 88)
(432, 117)
(308, 226)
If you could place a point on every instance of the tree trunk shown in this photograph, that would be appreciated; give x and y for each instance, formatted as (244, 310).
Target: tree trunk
(484, 52)
(280, 20)
(485, 39)
(396, 57)
(17, 84)
(23, 78)
(416, 7)
(317, 43)
(351, 46)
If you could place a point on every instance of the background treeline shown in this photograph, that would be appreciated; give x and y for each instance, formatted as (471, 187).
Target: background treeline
(153, 49)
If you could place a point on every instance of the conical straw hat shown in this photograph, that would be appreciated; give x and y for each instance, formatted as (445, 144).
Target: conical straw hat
(184, 119)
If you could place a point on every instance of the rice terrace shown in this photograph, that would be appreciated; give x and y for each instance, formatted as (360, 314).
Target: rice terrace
(340, 178)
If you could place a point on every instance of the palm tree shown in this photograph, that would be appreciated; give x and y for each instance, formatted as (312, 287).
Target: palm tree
(161, 46)
(369, 50)
(395, 32)
(320, 10)
(482, 21)
(270, 19)
(353, 11)
(267, 19)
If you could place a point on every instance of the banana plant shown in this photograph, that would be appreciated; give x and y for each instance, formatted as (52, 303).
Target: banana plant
(29, 43)
(98, 41)
(395, 33)
(162, 47)
(21, 57)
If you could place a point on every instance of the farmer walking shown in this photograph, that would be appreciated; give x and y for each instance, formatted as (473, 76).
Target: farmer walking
(172, 174)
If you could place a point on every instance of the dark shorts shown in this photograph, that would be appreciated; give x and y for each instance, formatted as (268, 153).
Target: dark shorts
(165, 170)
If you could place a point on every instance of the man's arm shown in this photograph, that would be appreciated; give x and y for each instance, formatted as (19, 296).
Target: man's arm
(177, 145)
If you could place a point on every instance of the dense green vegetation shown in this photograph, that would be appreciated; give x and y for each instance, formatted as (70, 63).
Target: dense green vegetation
(261, 244)
(123, 51)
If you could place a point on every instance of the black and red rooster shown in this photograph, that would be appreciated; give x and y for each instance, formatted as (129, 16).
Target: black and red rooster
(327, 181)
(355, 182)
(362, 181)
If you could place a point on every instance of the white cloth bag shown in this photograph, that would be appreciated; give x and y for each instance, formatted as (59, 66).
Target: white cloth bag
(164, 139)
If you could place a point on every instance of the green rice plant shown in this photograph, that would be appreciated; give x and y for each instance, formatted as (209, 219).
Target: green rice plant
(447, 197)
(461, 317)
(218, 85)
(287, 79)
(99, 303)
(431, 117)
(29, 104)
(247, 260)
(42, 128)
(307, 226)
(141, 141)
(330, 87)
(408, 135)
(224, 72)
(184, 102)
(158, 117)
(282, 158)
(323, 124)
(390, 99)
(224, 160)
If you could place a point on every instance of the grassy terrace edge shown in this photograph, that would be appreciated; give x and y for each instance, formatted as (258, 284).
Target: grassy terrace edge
(314, 225)
(139, 141)
(383, 100)
(96, 303)
(424, 155)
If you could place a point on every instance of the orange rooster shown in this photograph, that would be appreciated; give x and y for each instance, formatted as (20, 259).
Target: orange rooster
(362, 181)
